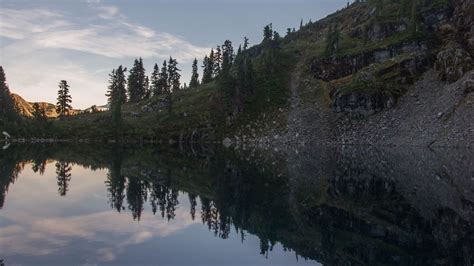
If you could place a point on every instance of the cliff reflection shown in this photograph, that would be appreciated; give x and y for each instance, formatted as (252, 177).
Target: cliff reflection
(336, 206)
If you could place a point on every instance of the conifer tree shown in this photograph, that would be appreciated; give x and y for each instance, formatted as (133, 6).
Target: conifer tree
(217, 61)
(173, 75)
(246, 43)
(63, 105)
(194, 76)
(39, 114)
(267, 34)
(147, 88)
(137, 82)
(36, 111)
(116, 94)
(207, 66)
(226, 82)
(7, 108)
(164, 86)
(227, 51)
(155, 81)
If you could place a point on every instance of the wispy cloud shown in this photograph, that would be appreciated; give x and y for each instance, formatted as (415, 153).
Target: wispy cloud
(43, 46)
(114, 37)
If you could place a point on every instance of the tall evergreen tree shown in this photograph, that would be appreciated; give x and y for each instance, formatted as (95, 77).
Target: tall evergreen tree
(208, 69)
(173, 75)
(246, 43)
(63, 105)
(137, 82)
(267, 33)
(147, 88)
(194, 76)
(155, 81)
(7, 108)
(116, 94)
(225, 80)
(39, 114)
(217, 61)
(163, 82)
(227, 51)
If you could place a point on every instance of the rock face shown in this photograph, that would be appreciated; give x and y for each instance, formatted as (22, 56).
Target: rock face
(452, 63)
(362, 104)
(331, 68)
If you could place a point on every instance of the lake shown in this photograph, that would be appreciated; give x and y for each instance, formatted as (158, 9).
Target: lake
(93, 205)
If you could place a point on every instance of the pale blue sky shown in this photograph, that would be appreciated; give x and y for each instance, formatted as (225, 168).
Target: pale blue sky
(44, 41)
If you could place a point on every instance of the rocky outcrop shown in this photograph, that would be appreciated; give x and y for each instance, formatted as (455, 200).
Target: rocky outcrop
(359, 104)
(331, 68)
(452, 63)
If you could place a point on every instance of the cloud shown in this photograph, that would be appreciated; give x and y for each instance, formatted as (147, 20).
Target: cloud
(102, 227)
(45, 46)
(20, 24)
(114, 37)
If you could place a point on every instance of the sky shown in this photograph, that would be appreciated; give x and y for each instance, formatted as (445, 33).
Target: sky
(45, 41)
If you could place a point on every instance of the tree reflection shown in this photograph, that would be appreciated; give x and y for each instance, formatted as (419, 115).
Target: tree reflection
(9, 170)
(136, 196)
(193, 204)
(115, 183)
(342, 209)
(39, 166)
(63, 177)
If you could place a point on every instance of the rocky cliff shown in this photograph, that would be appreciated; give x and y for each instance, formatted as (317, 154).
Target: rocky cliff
(393, 80)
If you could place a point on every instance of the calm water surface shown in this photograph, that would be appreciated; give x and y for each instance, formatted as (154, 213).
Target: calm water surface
(82, 205)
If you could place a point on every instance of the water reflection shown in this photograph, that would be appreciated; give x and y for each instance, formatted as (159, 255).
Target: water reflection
(333, 205)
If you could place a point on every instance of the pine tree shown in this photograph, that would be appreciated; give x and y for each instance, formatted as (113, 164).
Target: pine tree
(7, 107)
(227, 51)
(164, 86)
(301, 24)
(147, 88)
(246, 43)
(116, 94)
(155, 81)
(137, 82)
(39, 114)
(173, 75)
(63, 106)
(217, 61)
(226, 82)
(267, 33)
(206, 70)
(194, 76)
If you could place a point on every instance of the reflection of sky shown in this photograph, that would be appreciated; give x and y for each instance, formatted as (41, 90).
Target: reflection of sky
(37, 226)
